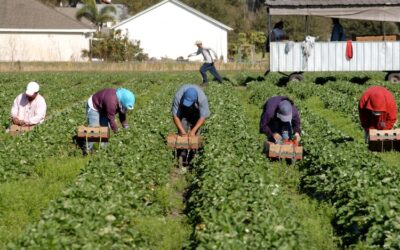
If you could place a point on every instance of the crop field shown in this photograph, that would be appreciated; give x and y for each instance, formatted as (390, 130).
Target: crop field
(132, 195)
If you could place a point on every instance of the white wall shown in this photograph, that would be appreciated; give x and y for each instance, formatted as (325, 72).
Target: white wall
(42, 47)
(171, 31)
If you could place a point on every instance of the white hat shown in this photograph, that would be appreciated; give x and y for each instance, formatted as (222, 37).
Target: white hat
(198, 42)
(32, 88)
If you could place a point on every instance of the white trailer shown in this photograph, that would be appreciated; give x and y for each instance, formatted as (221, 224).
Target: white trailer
(331, 56)
(287, 56)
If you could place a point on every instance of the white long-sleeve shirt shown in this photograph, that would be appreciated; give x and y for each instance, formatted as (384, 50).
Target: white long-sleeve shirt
(206, 54)
(31, 113)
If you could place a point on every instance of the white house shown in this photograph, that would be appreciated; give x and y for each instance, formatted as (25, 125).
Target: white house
(32, 31)
(170, 29)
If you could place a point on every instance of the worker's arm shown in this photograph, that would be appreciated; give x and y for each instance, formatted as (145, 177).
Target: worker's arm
(391, 117)
(14, 112)
(179, 125)
(296, 124)
(123, 120)
(14, 108)
(266, 117)
(196, 127)
(195, 53)
(364, 121)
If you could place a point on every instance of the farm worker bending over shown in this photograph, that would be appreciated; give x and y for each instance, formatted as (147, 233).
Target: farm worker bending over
(280, 120)
(190, 109)
(377, 109)
(102, 107)
(208, 62)
(29, 108)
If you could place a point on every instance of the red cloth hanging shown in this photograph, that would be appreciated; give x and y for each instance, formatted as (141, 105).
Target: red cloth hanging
(349, 50)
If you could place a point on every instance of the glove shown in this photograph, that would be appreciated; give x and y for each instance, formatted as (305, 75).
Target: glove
(277, 137)
(297, 137)
(285, 135)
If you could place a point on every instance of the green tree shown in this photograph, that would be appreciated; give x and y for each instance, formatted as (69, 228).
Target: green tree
(258, 39)
(115, 47)
(368, 28)
(99, 18)
(136, 6)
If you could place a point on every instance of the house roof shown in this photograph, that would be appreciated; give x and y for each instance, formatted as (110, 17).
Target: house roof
(34, 16)
(71, 12)
(330, 3)
(182, 5)
(373, 10)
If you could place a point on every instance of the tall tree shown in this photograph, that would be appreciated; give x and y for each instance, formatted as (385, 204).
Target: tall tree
(99, 18)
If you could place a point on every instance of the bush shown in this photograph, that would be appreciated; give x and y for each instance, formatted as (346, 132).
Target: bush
(115, 47)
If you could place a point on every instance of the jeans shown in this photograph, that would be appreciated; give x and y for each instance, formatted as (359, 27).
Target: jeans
(209, 66)
(95, 119)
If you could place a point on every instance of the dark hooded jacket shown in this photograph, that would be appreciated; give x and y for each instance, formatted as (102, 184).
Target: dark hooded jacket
(269, 121)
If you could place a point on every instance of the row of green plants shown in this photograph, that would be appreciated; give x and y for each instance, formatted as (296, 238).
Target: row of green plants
(53, 138)
(341, 96)
(66, 96)
(119, 198)
(234, 202)
(341, 171)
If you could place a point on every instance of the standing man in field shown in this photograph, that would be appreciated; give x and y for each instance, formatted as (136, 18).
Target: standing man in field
(377, 109)
(208, 64)
(29, 108)
(103, 106)
(280, 120)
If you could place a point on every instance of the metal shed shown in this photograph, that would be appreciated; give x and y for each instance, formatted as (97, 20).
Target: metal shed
(331, 56)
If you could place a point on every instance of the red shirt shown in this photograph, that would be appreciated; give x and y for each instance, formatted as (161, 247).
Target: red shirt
(377, 98)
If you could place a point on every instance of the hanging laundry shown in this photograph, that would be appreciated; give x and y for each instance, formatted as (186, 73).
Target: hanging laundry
(349, 50)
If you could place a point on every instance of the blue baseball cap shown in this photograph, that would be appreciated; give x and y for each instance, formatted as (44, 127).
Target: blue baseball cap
(189, 97)
(126, 98)
(285, 111)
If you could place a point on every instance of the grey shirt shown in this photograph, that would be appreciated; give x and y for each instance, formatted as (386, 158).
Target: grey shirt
(206, 54)
(201, 103)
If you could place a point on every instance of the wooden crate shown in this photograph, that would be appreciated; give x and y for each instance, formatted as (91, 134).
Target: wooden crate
(376, 38)
(93, 134)
(384, 140)
(284, 151)
(175, 141)
(17, 130)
